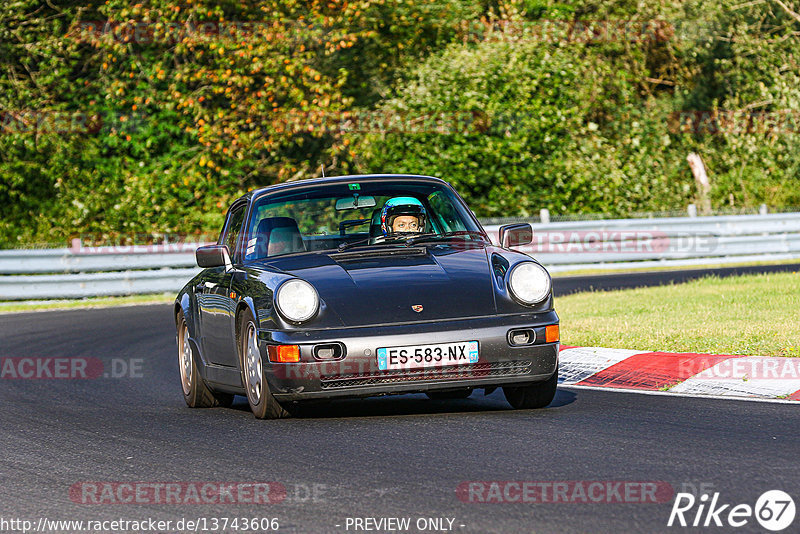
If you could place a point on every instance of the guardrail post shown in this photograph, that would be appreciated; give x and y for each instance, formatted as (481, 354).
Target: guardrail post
(544, 215)
(762, 209)
(703, 185)
(692, 210)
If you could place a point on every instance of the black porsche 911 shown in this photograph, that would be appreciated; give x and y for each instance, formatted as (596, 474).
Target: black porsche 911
(358, 286)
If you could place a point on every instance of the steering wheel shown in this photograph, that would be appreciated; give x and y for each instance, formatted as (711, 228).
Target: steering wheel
(344, 225)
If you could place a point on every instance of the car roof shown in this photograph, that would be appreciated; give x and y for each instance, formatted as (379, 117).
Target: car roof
(311, 182)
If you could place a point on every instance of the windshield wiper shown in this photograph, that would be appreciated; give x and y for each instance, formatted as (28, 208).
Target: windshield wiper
(444, 237)
(351, 244)
(400, 239)
(395, 239)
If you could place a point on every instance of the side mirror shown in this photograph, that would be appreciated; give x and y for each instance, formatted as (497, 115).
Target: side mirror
(516, 235)
(213, 256)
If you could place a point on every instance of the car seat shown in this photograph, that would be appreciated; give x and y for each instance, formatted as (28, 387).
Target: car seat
(375, 224)
(276, 236)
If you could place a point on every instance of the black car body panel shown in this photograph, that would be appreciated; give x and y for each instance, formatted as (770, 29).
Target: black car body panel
(369, 297)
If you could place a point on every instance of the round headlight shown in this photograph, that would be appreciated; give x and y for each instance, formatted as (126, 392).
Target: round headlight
(297, 300)
(529, 282)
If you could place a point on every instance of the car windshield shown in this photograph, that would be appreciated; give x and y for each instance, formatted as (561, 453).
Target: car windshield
(343, 215)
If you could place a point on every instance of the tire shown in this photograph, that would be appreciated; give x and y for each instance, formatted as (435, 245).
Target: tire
(254, 379)
(532, 396)
(449, 395)
(195, 391)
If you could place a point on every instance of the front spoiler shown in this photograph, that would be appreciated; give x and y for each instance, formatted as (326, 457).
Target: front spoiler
(358, 375)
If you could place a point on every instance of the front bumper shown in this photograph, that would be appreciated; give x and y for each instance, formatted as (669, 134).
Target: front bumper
(357, 373)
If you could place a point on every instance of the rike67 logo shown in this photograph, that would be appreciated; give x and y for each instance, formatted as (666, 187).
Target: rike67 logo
(774, 510)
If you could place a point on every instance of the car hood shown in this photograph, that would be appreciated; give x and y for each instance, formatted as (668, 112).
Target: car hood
(416, 284)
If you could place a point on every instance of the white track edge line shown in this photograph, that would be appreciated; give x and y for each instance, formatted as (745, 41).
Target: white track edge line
(691, 395)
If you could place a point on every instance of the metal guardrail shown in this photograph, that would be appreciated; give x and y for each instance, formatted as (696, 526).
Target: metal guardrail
(560, 246)
(724, 225)
(93, 284)
(65, 260)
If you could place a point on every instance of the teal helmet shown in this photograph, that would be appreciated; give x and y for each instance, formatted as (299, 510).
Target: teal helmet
(397, 206)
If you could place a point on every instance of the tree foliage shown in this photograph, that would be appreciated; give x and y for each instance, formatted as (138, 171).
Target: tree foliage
(122, 117)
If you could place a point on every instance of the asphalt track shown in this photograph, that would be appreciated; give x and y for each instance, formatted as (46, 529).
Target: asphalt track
(384, 457)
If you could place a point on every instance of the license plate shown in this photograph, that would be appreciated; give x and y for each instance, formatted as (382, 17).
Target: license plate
(422, 356)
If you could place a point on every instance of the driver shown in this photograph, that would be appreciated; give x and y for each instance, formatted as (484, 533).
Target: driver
(402, 215)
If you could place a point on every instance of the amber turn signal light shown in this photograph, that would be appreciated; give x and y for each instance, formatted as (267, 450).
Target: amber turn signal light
(284, 353)
(551, 333)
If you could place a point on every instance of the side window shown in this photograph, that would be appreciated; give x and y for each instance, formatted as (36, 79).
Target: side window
(232, 229)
